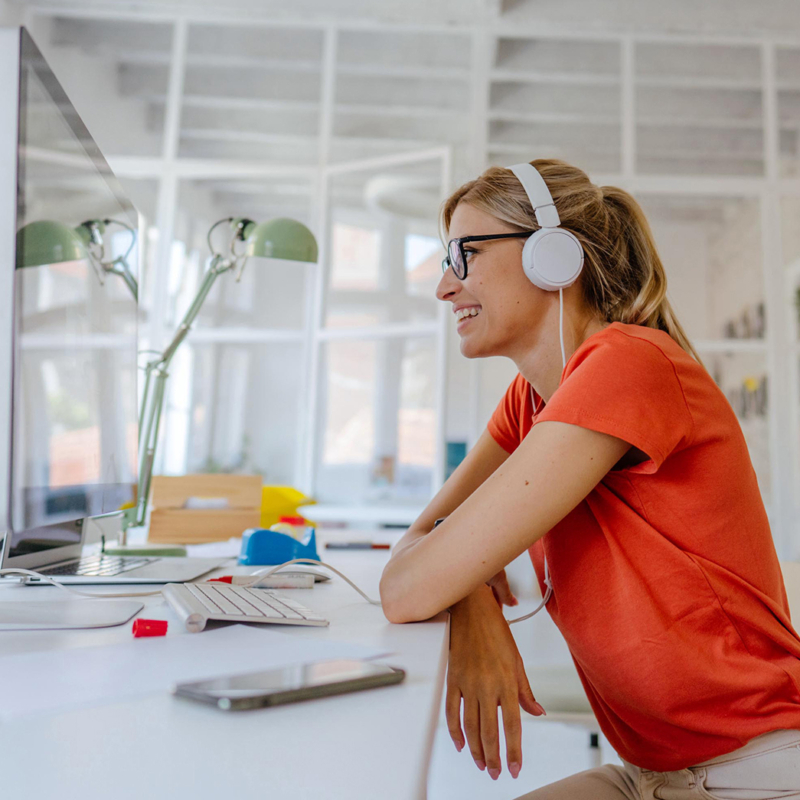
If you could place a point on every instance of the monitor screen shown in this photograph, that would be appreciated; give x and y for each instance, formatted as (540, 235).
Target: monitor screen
(74, 415)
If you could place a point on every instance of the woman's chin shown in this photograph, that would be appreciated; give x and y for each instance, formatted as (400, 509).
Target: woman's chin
(472, 349)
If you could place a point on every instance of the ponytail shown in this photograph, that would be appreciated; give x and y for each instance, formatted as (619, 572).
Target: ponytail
(644, 297)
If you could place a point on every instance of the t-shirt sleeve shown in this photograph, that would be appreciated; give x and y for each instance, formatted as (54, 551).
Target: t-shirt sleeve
(505, 424)
(626, 387)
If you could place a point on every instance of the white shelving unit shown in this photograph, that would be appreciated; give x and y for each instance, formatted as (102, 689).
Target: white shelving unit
(203, 112)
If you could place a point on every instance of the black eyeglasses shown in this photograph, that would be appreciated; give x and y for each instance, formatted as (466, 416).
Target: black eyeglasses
(457, 259)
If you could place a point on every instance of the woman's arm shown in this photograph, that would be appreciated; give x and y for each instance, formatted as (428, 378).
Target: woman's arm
(485, 670)
(553, 469)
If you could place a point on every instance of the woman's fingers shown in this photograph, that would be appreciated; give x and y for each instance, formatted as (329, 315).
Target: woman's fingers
(452, 707)
(526, 698)
(490, 738)
(472, 727)
(502, 589)
(513, 731)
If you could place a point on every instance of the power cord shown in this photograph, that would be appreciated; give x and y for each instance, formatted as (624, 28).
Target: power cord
(265, 573)
(258, 577)
(547, 581)
(23, 573)
(548, 593)
(561, 327)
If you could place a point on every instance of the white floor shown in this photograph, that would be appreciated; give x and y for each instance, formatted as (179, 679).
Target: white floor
(551, 751)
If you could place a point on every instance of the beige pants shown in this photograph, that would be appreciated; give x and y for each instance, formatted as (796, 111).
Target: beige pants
(766, 768)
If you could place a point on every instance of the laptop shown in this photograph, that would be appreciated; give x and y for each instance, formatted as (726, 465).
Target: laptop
(56, 551)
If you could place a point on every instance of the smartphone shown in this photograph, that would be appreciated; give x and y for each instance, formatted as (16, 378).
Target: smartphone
(289, 684)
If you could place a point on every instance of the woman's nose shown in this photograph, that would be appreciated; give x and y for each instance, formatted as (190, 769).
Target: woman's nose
(448, 286)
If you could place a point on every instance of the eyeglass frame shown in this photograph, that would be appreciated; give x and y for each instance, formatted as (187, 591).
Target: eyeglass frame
(462, 240)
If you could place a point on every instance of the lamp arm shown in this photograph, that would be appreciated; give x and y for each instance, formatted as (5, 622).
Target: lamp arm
(156, 375)
(119, 266)
(217, 266)
(148, 438)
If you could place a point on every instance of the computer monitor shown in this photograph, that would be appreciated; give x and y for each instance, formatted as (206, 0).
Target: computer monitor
(68, 329)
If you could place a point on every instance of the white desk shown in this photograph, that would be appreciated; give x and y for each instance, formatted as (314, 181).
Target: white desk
(369, 744)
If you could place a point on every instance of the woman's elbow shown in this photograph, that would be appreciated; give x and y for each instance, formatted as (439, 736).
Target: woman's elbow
(392, 601)
(399, 602)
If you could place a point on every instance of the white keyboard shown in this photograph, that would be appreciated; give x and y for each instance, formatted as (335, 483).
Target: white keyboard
(197, 603)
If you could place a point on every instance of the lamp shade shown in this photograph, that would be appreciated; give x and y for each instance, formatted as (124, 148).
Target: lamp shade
(48, 242)
(281, 238)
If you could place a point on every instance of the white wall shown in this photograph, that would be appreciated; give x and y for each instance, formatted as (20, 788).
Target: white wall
(116, 123)
(683, 248)
(10, 14)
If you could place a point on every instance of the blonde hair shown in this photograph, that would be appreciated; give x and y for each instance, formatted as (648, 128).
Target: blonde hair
(623, 278)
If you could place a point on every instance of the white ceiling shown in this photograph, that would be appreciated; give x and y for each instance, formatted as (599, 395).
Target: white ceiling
(712, 17)
(499, 80)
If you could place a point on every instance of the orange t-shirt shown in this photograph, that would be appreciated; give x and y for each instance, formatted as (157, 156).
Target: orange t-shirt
(666, 584)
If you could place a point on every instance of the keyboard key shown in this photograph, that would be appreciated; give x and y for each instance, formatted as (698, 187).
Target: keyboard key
(223, 600)
(262, 603)
(216, 598)
(250, 606)
(210, 606)
(278, 605)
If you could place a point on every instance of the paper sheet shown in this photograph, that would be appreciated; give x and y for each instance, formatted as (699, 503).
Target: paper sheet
(56, 680)
(229, 549)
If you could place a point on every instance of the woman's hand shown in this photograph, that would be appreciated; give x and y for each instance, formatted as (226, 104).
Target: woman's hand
(501, 590)
(486, 670)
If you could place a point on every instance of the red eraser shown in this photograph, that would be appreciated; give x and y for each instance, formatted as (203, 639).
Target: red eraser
(149, 627)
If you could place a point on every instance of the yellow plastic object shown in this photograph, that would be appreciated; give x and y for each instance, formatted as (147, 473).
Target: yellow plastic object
(281, 501)
(289, 530)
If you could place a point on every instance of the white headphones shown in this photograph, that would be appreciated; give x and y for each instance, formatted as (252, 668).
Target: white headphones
(552, 258)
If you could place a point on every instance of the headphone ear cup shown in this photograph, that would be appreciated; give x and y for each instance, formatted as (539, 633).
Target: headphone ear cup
(552, 258)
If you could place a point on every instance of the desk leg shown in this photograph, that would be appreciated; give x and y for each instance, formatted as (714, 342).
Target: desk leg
(433, 720)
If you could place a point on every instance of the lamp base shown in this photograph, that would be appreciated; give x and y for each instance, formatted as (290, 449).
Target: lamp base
(145, 549)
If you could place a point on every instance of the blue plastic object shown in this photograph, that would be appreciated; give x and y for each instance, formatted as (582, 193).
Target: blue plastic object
(263, 547)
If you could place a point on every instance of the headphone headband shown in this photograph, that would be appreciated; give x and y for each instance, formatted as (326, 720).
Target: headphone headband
(542, 201)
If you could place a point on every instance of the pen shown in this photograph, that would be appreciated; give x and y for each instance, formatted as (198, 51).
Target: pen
(357, 546)
(272, 582)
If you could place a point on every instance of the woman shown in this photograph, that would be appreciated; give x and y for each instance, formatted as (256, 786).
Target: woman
(618, 463)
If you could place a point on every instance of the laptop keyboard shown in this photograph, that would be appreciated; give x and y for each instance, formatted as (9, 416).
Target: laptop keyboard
(98, 566)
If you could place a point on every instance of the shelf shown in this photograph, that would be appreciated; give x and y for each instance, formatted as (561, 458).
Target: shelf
(731, 346)
(388, 514)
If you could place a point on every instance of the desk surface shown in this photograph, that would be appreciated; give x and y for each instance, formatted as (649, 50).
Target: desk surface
(364, 745)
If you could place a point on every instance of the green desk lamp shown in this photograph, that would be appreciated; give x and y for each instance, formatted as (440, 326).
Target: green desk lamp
(280, 238)
(48, 242)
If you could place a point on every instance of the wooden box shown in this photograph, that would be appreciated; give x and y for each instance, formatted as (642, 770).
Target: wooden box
(233, 505)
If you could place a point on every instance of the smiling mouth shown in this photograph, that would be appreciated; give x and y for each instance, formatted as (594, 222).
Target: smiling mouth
(467, 313)
(463, 324)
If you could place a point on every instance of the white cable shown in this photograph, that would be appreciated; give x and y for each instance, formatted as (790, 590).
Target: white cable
(547, 582)
(548, 593)
(561, 327)
(257, 578)
(265, 573)
(48, 579)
